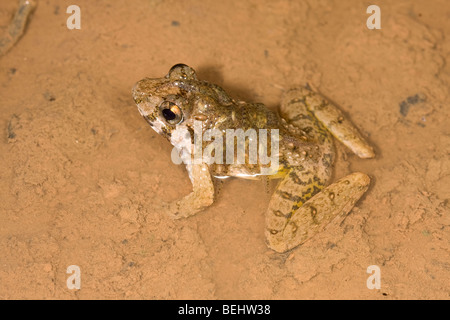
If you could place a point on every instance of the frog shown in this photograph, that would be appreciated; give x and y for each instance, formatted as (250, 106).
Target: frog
(304, 201)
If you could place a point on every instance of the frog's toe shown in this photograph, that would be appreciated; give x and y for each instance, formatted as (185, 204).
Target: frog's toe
(188, 206)
(172, 209)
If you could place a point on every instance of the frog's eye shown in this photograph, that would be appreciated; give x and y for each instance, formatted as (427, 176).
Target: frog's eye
(182, 72)
(171, 112)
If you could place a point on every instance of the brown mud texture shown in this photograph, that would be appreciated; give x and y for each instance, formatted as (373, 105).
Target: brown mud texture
(82, 175)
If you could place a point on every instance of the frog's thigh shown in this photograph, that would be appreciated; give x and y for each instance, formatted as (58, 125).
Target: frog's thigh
(201, 197)
(335, 121)
(292, 224)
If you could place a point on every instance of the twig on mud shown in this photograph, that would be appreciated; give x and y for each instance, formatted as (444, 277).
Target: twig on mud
(17, 25)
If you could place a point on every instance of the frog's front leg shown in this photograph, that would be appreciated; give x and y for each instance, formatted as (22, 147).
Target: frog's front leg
(294, 216)
(201, 196)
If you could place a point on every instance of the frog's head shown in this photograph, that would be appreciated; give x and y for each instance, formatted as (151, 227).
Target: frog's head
(176, 100)
(163, 102)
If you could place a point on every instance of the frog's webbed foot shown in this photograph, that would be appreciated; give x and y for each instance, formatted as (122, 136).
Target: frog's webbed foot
(290, 221)
(201, 197)
(329, 116)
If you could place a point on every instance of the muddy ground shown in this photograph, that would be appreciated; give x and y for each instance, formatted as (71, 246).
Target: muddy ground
(82, 175)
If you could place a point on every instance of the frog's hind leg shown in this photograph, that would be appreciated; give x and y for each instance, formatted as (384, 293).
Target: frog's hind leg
(302, 121)
(328, 115)
(297, 210)
(294, 110)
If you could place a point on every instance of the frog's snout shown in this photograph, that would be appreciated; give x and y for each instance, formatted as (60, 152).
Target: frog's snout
(141, 97)
(137, 93)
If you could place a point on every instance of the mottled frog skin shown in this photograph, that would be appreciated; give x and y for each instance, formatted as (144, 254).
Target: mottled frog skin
(304, 202)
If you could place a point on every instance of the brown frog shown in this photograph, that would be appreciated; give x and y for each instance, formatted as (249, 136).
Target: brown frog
(181, 107)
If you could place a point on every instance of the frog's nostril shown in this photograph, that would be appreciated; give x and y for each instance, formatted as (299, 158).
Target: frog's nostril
(138, 98)
(134, 90)
(137, 93)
